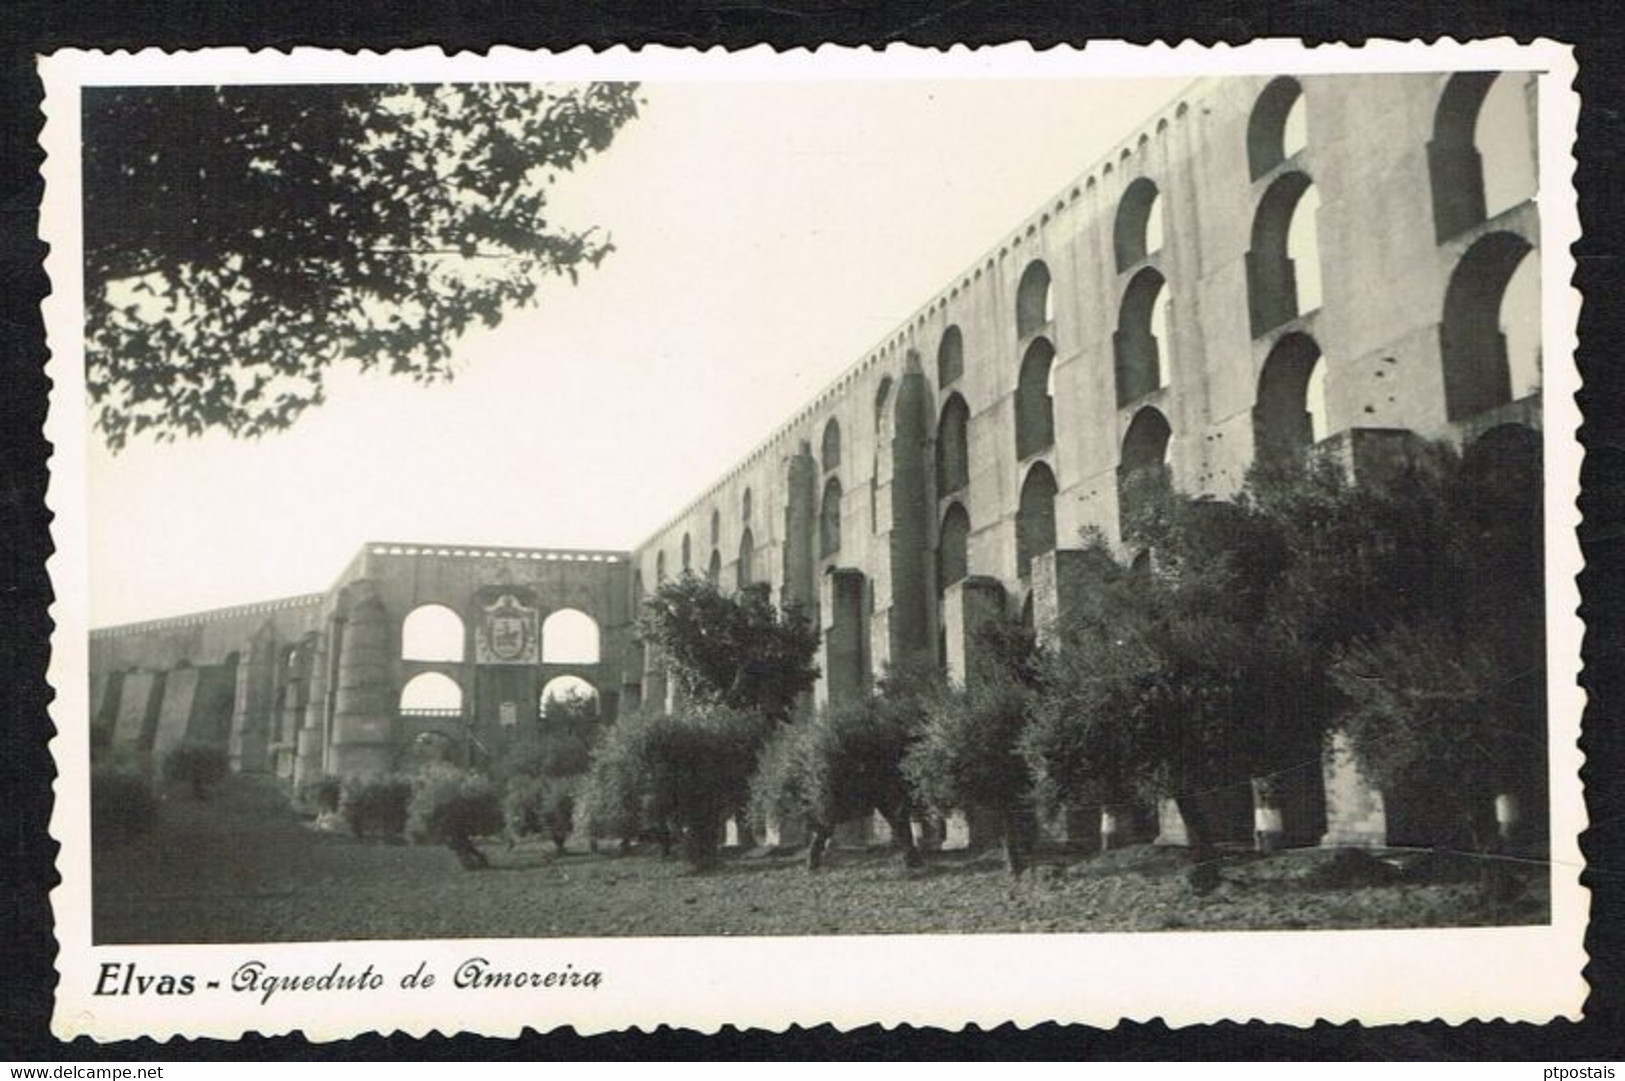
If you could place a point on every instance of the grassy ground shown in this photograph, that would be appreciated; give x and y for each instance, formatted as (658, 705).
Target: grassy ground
(241, 867)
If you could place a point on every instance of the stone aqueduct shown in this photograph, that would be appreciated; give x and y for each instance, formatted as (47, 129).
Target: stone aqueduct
(1338, 261)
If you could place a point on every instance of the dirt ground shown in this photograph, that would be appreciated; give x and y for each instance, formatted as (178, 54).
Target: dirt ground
(242, 867)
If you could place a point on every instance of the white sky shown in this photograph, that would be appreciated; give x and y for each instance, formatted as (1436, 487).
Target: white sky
(767, 235)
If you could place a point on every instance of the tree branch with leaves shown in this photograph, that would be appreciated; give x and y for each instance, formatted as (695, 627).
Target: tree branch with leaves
(241, 240)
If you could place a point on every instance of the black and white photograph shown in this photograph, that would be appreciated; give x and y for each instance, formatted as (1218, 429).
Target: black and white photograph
(770, 523)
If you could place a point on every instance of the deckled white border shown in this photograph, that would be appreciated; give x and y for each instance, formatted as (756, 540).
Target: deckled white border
(1523, 973)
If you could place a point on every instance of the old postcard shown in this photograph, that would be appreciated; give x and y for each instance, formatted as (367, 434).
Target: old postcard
(860, 537)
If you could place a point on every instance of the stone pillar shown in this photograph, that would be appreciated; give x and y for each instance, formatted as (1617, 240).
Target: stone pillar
(912, 510)
(1355, 814)
(841, 648)
(175, 712)
(779, 833)
(214, 702)
(140, 698)
(363, 704)
(800, 528)
(633, 672)
(1059, 580)
(295, 697)
(336, 633)
(966, 606)
(1171, 829)
(250, 717)
(654, 679)
(307, 760)
(101, 689)
(106, 704)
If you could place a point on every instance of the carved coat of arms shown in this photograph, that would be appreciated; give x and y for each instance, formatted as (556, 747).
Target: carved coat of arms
(507, 633)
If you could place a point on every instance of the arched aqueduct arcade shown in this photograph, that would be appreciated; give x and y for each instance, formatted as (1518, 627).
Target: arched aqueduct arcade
(1335, 261)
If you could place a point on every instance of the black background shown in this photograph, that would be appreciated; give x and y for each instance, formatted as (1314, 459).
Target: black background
(29, 28)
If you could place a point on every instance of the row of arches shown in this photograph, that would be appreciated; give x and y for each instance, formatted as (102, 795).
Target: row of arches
(1481, 160)
(436, 693)
(744, 565)
(434, 632)
(1489, 341)
(747, 540)
(1482, 164)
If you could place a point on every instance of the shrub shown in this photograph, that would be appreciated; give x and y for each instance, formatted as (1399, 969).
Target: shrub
(451, 807)
(736, 649)
(968, 753)
(552, 753)
(322, 792)
(692, 769)
(613, 795)
(848, 761)
(700, 764)
(1434, 709)
(375, 804)
(122, 803)
(197, 764)
(779, 787)
(533, 805)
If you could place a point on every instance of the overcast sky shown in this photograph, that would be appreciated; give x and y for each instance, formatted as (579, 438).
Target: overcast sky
(768, 234)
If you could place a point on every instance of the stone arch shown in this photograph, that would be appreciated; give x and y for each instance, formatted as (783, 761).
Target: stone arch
(745, 572)
(882, 401)
(1477, 326)
(1463, 136)
(1504, 492)
(565, 687)
(688, 554)
(1141, 323)
(744, 507)
(432, 692)
(570, 636)
(716, 527)
(1283, 266)
(885, 427)
(713, 569)
(1035, 405)
(660, 569)
(830, 449)
(1146, 442)
(432, 632)
(1143, 464)
(1035, 518)
(953, 546)
(105, 717)
(1290, 415)
(428, 748)
(953, 449)
(950, 357)
(1138, 229)
(1507, 148)
(829, 519)
(1033, 299)
(1278, 126)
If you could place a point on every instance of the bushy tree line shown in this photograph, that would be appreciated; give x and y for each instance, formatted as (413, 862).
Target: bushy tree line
(1403, 611)
(529, 790)
(124, 784)
(739, 665)
(252, 237)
